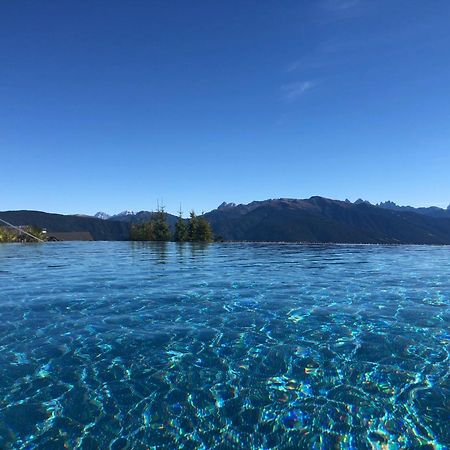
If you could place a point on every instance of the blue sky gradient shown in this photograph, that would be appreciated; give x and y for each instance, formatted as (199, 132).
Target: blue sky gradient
(111, 105)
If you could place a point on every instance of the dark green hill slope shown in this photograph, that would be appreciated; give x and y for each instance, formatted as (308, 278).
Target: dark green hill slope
(320, 219)
(100, 230)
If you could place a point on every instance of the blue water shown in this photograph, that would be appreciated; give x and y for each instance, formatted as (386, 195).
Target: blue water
(226, 346)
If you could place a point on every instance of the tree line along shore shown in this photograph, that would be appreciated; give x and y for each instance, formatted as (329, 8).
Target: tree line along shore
(196, 229)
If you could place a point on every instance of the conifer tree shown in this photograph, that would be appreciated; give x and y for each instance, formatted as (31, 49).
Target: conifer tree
(160, 225)
(193, 226)
(204, 232)
(143, 231)
(199, 229)
(181, 229)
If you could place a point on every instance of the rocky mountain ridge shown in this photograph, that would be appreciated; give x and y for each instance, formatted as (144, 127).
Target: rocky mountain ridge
(316, 219)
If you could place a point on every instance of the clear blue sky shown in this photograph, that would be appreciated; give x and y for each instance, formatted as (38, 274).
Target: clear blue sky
(110, 105)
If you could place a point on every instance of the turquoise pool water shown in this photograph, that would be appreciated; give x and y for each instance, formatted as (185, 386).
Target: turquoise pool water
(226, 346)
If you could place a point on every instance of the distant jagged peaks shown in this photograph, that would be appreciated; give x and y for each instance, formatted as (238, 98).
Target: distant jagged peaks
(106, 216)
(225, 205)
(387, 205)
(102, 215)
(126, 213)
(361, 201)
(431, 211)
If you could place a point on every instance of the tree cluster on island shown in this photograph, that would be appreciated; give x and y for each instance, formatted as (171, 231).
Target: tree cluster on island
(196, 229)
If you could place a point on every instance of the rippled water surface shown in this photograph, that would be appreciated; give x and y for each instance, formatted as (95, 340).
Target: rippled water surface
(254, 346)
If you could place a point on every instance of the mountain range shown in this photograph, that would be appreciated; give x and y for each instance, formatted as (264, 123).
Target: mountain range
(142, 216)
(316, 219)
(319, 219)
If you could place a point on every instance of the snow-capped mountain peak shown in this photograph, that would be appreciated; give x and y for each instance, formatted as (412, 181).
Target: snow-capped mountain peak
(102, 215)
(126, 213)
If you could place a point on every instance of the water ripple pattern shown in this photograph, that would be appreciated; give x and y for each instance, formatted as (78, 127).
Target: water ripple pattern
(225, 346)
